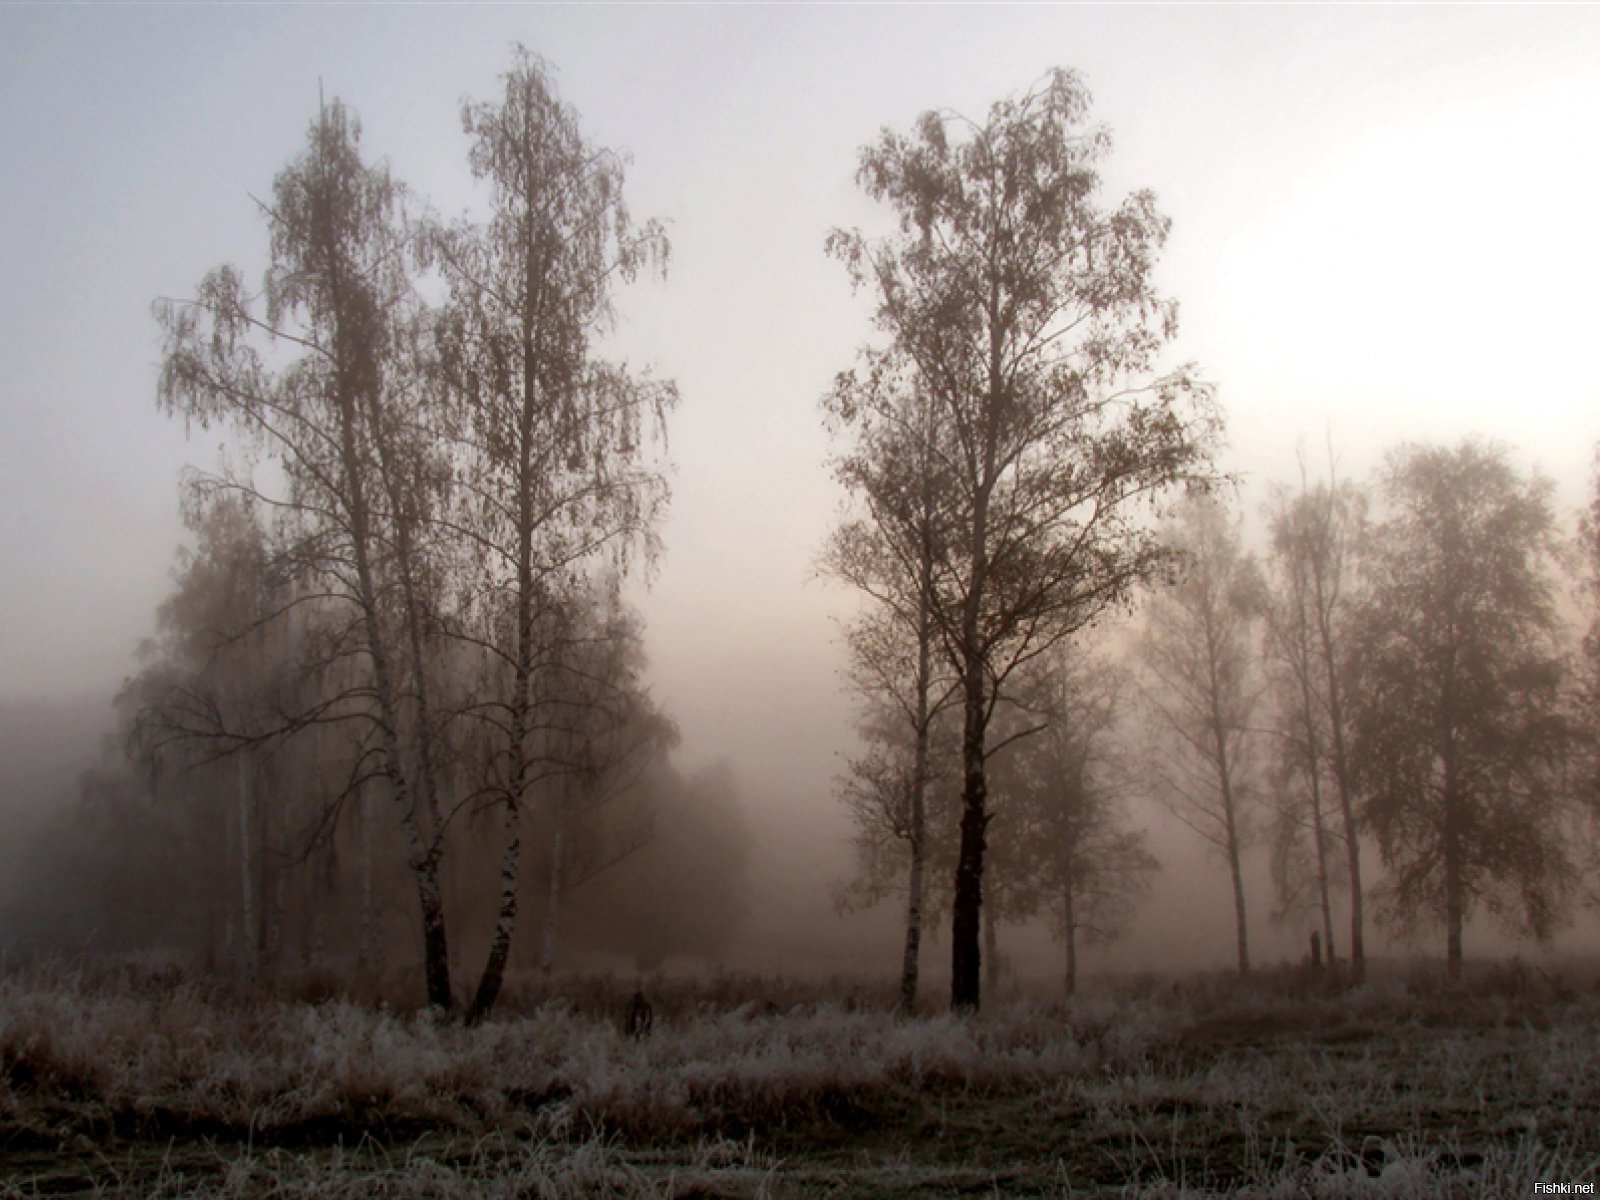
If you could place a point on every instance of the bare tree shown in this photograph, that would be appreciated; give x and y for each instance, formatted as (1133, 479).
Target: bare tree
(1027, 315)
(337, 293)
(554, 440)
(1463, 739)
(1325, 529)
(1306, 850)
(1197, 650)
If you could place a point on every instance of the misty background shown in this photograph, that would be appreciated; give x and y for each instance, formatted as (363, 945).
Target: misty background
(1382, 231)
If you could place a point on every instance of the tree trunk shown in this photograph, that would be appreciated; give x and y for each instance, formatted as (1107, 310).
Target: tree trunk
(991, 950)
(1303, 655)
(1069, 923)
(367, 952)
(424, 857)
(1231, 831)
(1238, 909)
(552, 911)
(966, 959)
(1327, 903)
(1341, 776)
(521, 701)
(247, 867)
(911, 961)
(965, 956)
(505, 923)
(1320, 841)
(1454, 900)
(274, 853)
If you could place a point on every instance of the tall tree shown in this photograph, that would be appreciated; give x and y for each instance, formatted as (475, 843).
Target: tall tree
(1462, 738)
(556, 440)
(1027, 314)
(1306, 850)
(1323, 533)
(336, 294)
(1198, 650)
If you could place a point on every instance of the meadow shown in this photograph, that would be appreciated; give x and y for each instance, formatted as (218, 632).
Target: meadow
(139, 1083)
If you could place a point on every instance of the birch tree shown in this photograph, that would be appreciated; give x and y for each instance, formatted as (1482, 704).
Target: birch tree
(310, 380)
(1462, 735)
(1307, 852)
(1027, 314)
(556, 442)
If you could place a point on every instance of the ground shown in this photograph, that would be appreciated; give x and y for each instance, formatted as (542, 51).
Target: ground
(116, 1085)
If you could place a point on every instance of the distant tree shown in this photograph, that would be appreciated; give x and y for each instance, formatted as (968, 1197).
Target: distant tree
(1462, 741)
(208, 671)
(1307, 852)
(555, 440)
(1066, 792)
(685, 892)
(1585, 687)
(1027, 315)
(1198, 652)
(604, 736)
(1321, 536)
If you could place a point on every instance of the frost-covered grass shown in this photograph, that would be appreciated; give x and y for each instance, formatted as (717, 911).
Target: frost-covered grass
(168, 1087)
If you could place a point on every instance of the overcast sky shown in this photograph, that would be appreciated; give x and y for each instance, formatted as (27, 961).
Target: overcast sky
(1384, 225)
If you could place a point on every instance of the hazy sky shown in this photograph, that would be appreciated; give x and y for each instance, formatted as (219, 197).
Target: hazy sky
(1384, 224)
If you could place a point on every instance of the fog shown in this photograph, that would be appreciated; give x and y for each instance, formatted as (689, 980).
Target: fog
(1382, 231)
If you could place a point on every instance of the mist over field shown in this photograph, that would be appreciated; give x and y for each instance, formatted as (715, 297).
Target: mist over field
(680, 601)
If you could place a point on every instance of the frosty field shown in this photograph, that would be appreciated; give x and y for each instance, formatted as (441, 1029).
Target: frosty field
(115, 1085)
